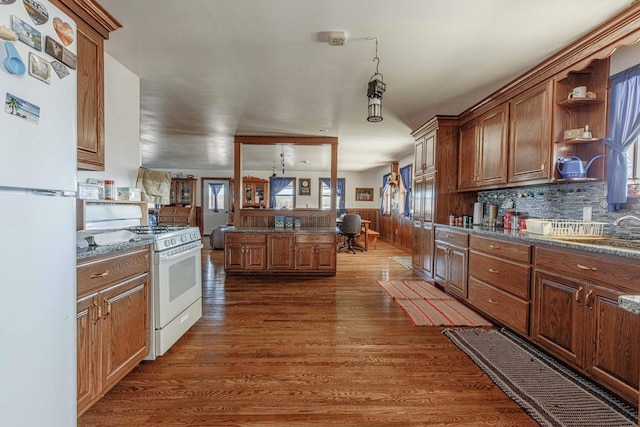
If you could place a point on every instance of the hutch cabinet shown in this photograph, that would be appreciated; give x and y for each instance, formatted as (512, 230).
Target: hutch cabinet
(255, 192)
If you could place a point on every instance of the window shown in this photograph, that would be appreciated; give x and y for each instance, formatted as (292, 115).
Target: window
(216, 197)
(633, 170)
(325, 193)
(286, 198)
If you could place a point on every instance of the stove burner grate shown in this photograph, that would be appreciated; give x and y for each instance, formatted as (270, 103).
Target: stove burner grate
(156, 229)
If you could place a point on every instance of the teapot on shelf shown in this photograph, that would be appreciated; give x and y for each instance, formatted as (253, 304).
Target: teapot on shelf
(573, 167)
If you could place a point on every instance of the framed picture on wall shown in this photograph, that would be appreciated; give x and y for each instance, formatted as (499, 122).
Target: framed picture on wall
(364, 194)
(304, 188)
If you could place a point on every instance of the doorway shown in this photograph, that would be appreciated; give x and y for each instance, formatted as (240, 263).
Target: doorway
(215, 203)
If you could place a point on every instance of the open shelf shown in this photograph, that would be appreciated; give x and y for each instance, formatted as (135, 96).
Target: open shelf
(579, 102)
(579, 141)
(565, 180)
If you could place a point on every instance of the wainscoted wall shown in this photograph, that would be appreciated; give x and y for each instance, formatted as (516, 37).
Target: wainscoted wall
(565, 201)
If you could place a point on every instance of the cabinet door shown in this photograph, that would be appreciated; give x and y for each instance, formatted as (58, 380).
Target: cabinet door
(458, 271)
(280, 255)
(428, 197)
(325, 256)
(416, 249)
(441, 263)
(430, 153)
(255, 256)
(305, 256)
(558, 317)
(418, 203)
(613, 340)
(531, 134)
(469, 152)
(125, 327)
(90, 98)
(234, 256)
(418, 160)
(88, 382)
(427, 250)
(494, 145)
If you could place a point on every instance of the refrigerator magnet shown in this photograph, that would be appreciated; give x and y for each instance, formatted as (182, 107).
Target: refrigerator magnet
(61, 70)
(39, 68)
(22, 109)
(37, 11)
(53, 48)
(64, 30)
(7, 1)
(26, 33)
(69, 59)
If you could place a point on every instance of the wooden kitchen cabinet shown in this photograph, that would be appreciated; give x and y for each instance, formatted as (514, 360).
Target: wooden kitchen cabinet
(245, 251)
(255, 192)
(425, 154)
(422, 254)
(315, 252)
(183, 191)
(182, 207)
(112, 320)
(483, 150)
(530, 140)
(94, 25)
(499, 281)
(576, 316)
(280, 253)
(450, 260)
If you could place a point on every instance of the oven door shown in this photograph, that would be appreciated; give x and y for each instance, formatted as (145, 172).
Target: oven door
(177, 282)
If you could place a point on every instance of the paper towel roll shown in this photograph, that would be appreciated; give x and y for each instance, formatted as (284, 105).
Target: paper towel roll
(478, 213)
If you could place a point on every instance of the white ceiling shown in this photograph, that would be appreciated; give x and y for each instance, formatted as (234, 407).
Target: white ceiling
(211, 69)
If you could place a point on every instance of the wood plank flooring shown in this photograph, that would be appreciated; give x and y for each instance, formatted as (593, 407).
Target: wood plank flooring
(314, 352)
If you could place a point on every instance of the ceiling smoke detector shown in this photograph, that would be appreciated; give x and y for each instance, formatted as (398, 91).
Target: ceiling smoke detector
(337, 38)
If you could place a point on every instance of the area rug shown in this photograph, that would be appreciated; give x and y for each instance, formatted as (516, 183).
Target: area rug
(426, 305)
(549, 392)
(404, 261)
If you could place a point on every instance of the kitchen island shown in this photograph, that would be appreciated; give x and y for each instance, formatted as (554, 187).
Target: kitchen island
(275, 250)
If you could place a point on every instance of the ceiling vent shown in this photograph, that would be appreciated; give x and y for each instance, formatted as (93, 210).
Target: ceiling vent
(337, 38)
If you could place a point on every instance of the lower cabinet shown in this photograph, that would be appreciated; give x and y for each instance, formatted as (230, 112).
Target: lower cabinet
(499, 281)
(450, 260)
(112, 321)
(422, 254)
(280, 252)
(576, 316)
(245, 252)
(315, 252)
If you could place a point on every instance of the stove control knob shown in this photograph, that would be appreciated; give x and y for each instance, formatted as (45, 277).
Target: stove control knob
(166, 243)
(183, 238)
(173, 241)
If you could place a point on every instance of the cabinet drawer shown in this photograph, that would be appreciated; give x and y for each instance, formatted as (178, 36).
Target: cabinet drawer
(99, 273)
(315, 238)
(621, 275)
(452, 237)
(501, 248)
(503, 307)
(505, 275)
(245, 237)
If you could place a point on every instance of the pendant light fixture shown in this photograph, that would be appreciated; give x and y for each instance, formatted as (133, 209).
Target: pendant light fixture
(282, 159)
(375, 91)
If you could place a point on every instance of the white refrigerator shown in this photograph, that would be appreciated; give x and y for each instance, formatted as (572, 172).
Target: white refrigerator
(38, 137)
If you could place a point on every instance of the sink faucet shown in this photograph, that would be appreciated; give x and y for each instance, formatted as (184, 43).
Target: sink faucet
(617, 221)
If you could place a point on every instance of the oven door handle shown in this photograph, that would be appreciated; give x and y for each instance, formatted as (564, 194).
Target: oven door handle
(180, 254)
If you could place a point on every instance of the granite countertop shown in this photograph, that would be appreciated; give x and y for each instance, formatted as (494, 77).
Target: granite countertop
(305, 230)
(497, 232)
(630, 303)
(93, 251)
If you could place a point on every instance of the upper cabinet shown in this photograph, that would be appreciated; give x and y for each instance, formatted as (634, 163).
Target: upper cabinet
(530, 134)
(581, 121)
(425, 154)
(183, 191)
(255, 192)
(483, 150)
(94, 25)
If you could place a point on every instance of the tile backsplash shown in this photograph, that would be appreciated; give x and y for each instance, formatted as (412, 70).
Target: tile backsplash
(565, 201)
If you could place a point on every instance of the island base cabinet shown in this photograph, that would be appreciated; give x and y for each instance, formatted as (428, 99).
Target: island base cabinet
(315, 252)
(581, 324)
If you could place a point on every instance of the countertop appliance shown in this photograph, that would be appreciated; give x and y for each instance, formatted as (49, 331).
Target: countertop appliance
(38, 138)
(176, 278)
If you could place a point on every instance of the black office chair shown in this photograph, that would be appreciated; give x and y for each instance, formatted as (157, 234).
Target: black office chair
(351, 227)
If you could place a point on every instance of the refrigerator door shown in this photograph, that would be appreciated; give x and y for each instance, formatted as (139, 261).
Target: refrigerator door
(39, 116)
(38, 366)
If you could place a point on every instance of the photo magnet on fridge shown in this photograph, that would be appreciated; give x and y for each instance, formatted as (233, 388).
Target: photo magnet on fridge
(69, 59)
(53, 48)
(61, 70)
(26, 33)
(37, 11)
(21, 108)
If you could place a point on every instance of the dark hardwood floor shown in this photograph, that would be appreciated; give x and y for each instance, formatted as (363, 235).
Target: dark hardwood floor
(294, 352)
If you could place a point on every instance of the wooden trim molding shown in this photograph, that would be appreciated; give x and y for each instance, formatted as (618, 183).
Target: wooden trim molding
(621, 30)
(276, 140)
(93, 14)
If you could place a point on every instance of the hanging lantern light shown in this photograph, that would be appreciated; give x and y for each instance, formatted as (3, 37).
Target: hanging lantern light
(375, 90)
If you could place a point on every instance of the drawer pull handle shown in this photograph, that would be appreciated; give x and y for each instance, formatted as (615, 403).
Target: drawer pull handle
(577, 296)
(98, 275)
(108, 307)
(95, 304)
(491, 270)
(494, 247)
(586, 267)
(492, 301)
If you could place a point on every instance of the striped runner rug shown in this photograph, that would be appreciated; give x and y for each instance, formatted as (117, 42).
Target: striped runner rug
(548, 391)
(427, 305)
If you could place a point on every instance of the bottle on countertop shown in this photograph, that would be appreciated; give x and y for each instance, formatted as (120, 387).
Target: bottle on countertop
(109, 189)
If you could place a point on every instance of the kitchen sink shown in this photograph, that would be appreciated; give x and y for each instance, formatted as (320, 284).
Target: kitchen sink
(610, 242)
